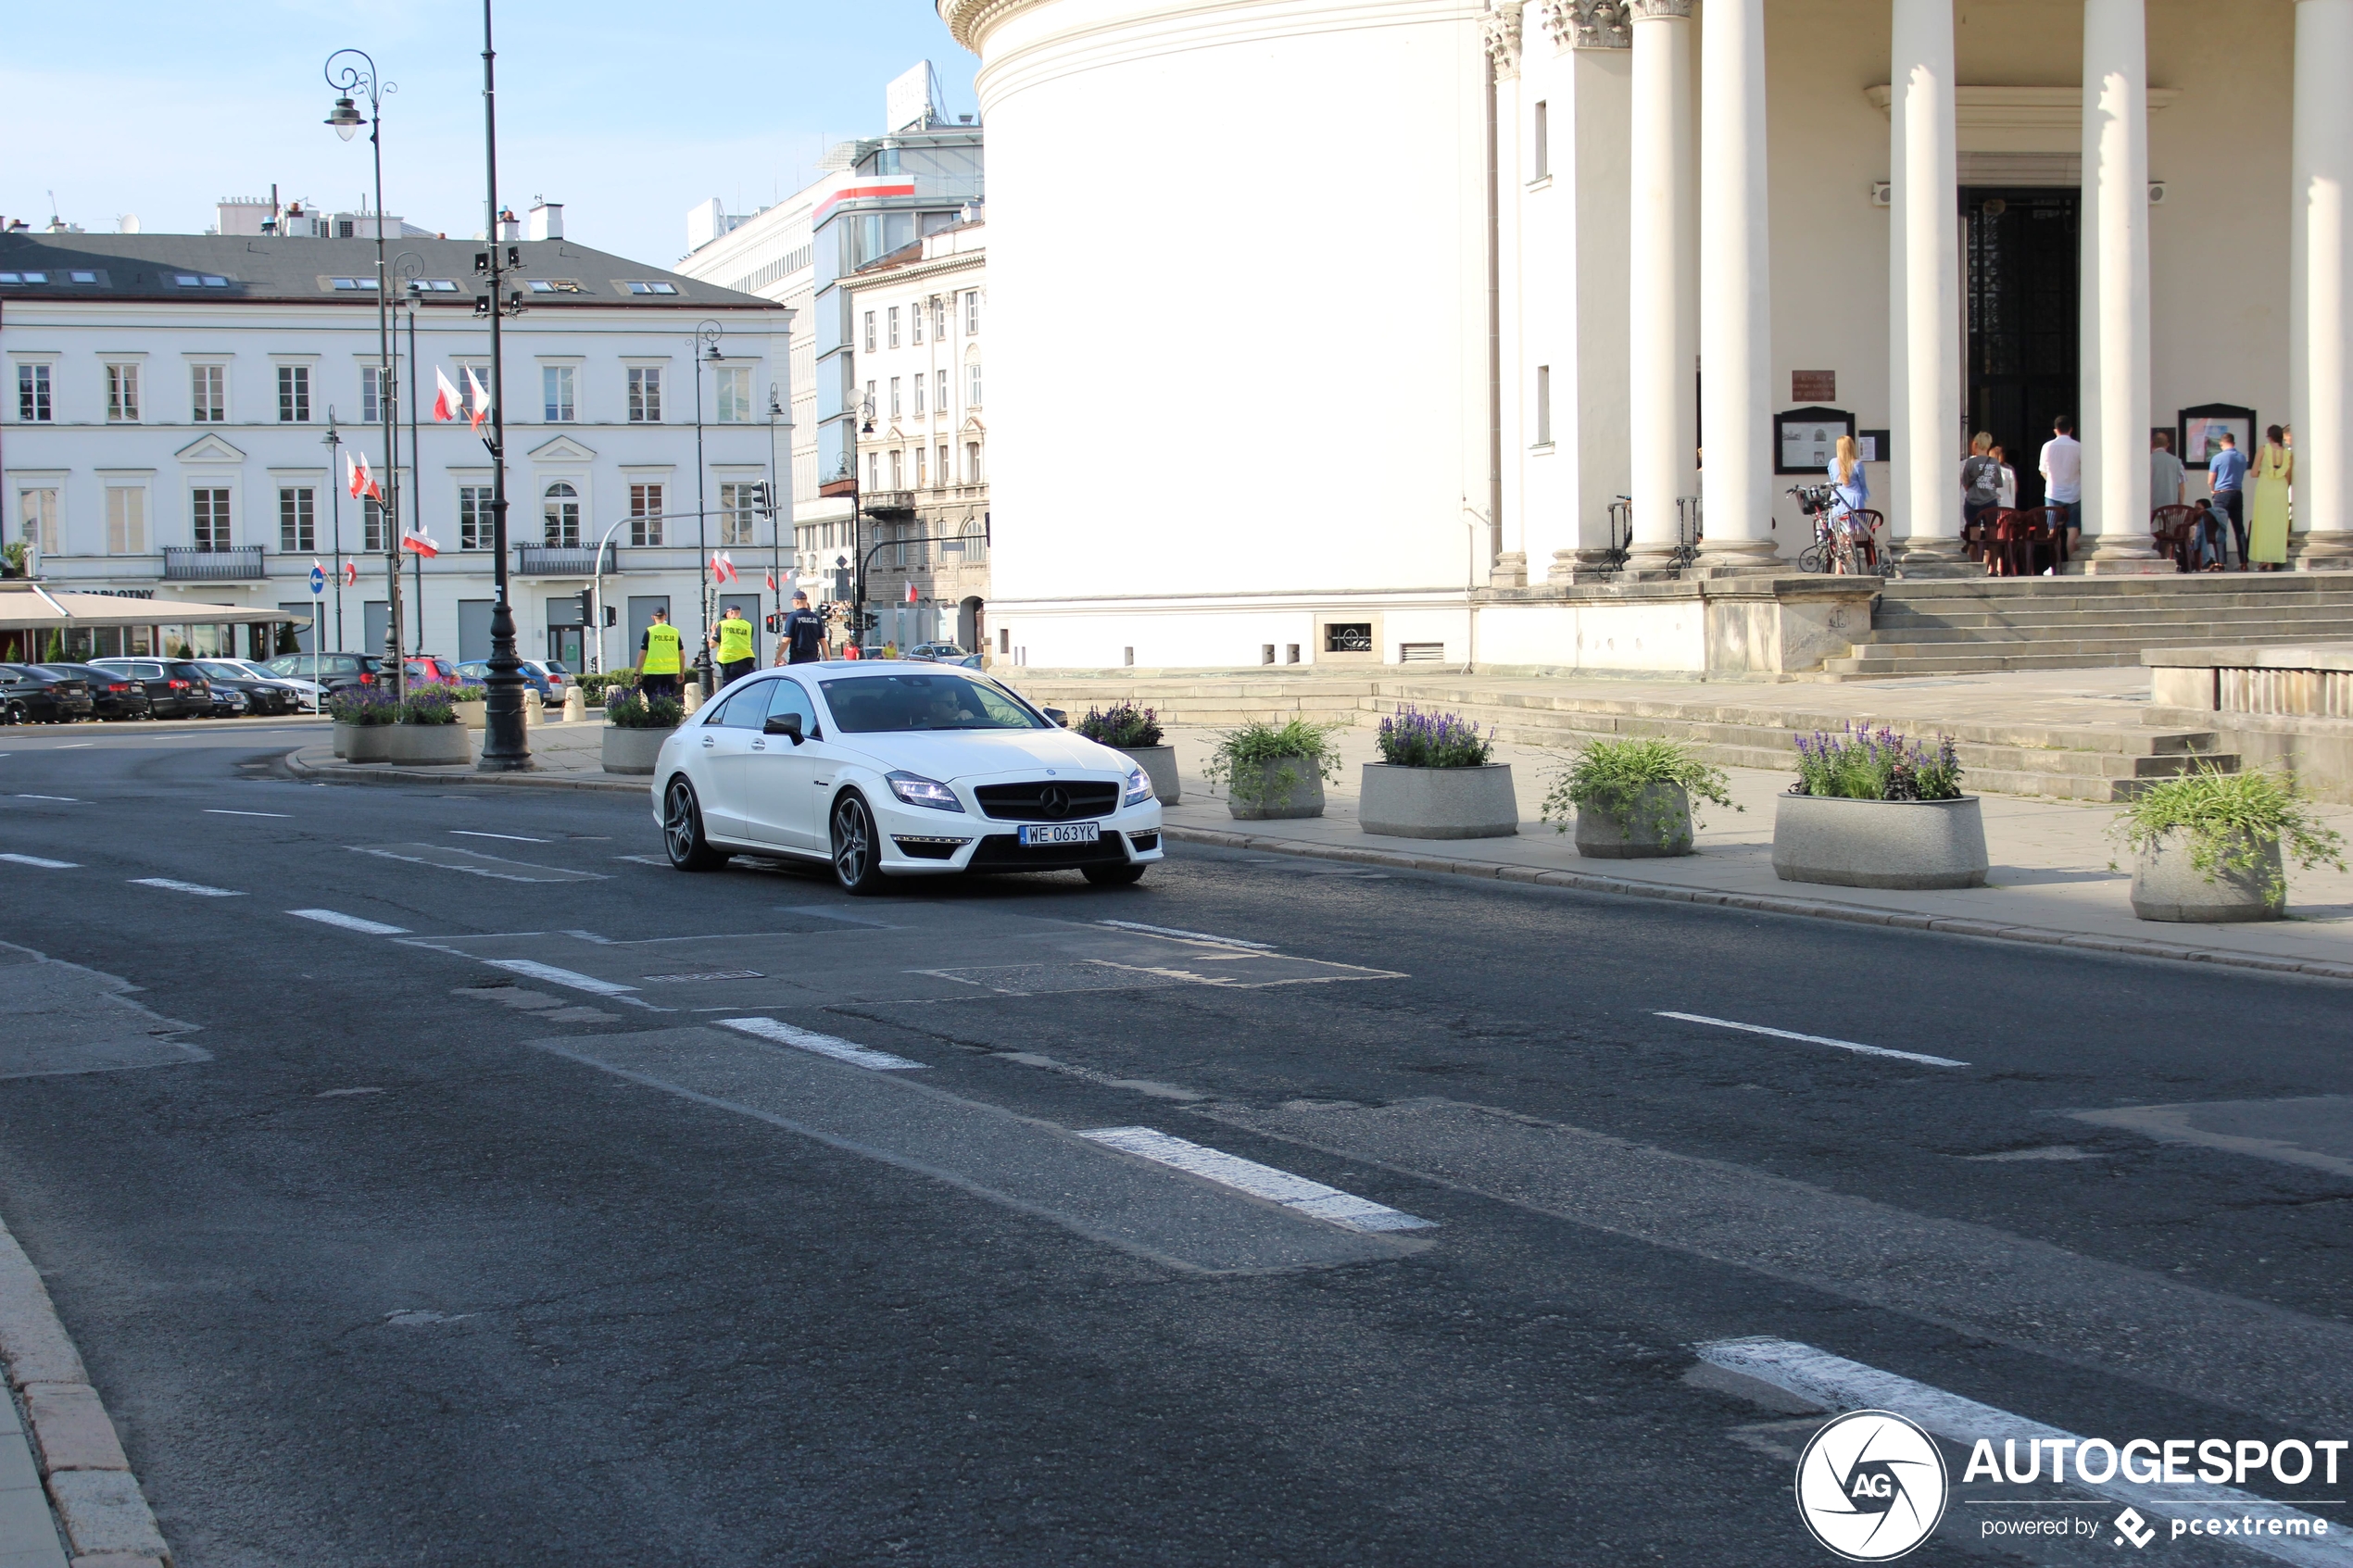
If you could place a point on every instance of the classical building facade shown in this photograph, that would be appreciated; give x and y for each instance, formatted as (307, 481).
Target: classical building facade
(180, 407)
(1553, 255)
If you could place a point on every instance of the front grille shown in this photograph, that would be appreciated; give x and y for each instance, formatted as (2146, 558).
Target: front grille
(1030, 802)
(1005, 852)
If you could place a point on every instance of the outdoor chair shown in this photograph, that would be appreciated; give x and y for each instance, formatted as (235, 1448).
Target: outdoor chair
(2174, 531)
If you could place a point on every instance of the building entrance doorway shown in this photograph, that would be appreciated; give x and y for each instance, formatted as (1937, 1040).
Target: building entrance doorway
(2022, 278)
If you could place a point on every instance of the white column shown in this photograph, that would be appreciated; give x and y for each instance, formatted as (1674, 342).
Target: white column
(1501, 31)
(1925, 503)
(1662, 317)
(1735, 288)
(2116, 297)
(2321, 306)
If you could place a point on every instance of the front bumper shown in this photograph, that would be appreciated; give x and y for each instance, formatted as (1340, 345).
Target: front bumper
(918, 841)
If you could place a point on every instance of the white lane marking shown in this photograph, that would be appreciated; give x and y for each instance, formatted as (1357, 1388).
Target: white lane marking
(77, 746)
(197, 888)
(644, 859)
(1188, 935)
(67, 798)
(1841, 1385)
(224, 811)
(1312, 1198)
(37, 860)
(782, 1033)
(555, 976)
(351, 923)
(515, 837)
(1815, 1039)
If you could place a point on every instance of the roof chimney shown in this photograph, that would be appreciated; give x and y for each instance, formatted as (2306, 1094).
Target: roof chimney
(547, 219)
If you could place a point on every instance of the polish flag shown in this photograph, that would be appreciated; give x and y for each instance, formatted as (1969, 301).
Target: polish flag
(448, 404)
(772, 579)
(478, 399)
(910, 591)
(350, 573)
(420, 543)
(722, 569)
(362, 481)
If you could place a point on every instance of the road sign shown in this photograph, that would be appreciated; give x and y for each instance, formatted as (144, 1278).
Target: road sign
(318, 581)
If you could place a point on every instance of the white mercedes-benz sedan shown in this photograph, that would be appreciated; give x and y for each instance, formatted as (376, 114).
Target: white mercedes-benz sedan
(898, 768)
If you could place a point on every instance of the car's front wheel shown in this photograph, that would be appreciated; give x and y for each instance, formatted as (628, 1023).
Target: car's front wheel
(856, 847)
(1113, 876)
(681, 834)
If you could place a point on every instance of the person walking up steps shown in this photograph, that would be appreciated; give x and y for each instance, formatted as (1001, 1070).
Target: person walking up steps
(660, 658)
(732, 638)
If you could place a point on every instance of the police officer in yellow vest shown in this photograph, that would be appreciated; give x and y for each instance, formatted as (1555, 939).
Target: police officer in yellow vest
(732, 638)
(660, 658)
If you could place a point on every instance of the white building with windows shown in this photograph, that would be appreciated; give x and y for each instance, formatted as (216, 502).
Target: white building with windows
(179, 407)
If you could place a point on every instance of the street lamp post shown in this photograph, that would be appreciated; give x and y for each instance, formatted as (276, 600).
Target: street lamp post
(505, 747)
(350, 78)
(707, 338)
(333, 443)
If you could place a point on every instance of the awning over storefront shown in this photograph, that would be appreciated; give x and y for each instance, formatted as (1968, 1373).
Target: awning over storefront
(28, 607)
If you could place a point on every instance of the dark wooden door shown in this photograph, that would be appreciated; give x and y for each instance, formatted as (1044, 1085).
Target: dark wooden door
(2023, 288)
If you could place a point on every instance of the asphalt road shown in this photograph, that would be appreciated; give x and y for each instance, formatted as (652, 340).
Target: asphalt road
(485, 1238)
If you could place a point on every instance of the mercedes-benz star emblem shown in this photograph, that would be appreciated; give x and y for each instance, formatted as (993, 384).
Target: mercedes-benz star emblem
(1054, 800)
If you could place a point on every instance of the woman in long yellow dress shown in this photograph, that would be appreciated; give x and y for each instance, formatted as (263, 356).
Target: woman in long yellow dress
(2266, 529)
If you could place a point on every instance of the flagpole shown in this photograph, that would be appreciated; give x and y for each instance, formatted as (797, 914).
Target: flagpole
(505, 747)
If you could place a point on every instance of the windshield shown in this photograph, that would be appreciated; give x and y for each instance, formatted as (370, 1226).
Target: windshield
(933, 701)
(292, 664)
(221, 671)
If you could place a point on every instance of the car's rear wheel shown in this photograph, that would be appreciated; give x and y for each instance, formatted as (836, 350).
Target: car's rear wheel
(1113, 876)
(857, 850)
(681, 834)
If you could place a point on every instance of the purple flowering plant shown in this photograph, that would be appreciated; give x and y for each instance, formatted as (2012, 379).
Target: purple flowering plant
(1125, 725)
(1410, 738)
(1868, 764)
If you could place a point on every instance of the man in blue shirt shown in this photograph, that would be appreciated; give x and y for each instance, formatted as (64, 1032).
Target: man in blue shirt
(2226, 473)
(803, 638)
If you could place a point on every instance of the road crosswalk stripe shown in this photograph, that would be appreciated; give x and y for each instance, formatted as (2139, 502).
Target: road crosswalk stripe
(176, 887)
(1841, 1385)
(1260, 1181)
(37, 860)
(1814, 1039)
(555, 976)
(1187, 935)
(776, 1032)
(351, 923)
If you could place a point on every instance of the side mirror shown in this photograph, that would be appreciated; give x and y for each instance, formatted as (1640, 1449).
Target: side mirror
(783, 724)
(1057, 717)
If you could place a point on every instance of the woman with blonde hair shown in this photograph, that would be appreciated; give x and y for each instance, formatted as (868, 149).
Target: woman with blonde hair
(2274, 472)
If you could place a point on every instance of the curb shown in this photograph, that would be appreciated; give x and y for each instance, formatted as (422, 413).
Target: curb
(105, 1517)
(364, 773)
(1814, 909)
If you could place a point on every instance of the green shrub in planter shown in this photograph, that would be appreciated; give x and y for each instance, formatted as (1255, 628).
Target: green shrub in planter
(627, 709)
(1261, 760)
(1410, 738)
(2236, 825)
(596, 688)
(429, 705)
(1618, 778)
(1122, 727)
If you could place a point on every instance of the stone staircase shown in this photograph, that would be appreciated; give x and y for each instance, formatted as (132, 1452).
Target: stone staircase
(1983, 626)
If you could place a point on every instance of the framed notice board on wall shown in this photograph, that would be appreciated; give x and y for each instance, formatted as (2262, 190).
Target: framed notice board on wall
(1804, 439)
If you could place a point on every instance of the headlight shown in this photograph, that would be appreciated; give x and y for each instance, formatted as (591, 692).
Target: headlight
(1139, 788)
(917, 790)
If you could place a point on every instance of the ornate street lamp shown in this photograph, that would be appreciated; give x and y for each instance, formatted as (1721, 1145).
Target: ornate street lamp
(505, 747)
(707, 338)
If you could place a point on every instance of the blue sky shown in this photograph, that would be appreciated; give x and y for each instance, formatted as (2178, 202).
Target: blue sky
(627, 114)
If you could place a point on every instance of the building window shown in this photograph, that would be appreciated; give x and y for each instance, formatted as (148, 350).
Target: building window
(943, 391)
(972, 385)
(873, 470)
(563, 514)
(1543, 405)
(868, 410)
(870, 331)
(474, 530)
(938, 317)
(122, 395)
(126, 521)
(972, 312)
(915, 323)
(298, 520)
(942, 469)
(37, 511)
(922, 476)
(209, 516)
(894, 326)
(372, 525)
(738, 511)
(919, 396)
(294, 395)
(1540, 135)
(555, 393)
(898, 468)
(34, 406)
(645, 514)
(208, 394)
(372, 385)
(894, 396)
(971, 462)
(644, 395)
(735, 394)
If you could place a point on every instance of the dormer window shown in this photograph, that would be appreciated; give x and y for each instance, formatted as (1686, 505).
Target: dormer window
(199, 281)
(343, 283)
(636, 285)
(555, 285)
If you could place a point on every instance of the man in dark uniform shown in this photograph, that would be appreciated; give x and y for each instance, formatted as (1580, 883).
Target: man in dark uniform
(804, 634)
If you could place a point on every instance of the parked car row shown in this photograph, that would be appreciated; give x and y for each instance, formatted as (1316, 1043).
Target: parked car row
(61, 692)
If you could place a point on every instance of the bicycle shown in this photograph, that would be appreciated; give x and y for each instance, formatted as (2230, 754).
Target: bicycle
(1839, 548)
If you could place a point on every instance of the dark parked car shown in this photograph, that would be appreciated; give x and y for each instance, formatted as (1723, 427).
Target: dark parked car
(549, 681)
(262, 698)
(30, 693)
(113, 694)
(337, 671)
(175, 688)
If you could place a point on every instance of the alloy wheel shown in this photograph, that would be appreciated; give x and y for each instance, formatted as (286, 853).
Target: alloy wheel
(678, 822)
(853, 843)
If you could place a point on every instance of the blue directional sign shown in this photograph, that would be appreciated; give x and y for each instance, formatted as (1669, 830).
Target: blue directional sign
(317, 581)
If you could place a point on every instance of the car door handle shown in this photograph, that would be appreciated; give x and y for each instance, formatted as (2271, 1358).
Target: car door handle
(705, 740)
(760, 745)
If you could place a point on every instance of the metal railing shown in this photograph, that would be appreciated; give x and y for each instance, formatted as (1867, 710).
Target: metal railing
(231, 563)
(562, 560)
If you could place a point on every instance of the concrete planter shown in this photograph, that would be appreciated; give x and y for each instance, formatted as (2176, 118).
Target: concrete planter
(364, 743)
(425, 744)
(1914, 843)
(1271, 797)
(2167, 886)
(1439, 802)
(472, 715)
(1657, 825)
(633, 751)
(1159, 763)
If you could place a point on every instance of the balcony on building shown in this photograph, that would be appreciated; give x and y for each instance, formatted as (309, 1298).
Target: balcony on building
(562, 560)
(228, 563)
(889, 503)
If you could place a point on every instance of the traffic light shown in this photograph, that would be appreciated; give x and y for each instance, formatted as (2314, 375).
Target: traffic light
(775, 623)
(612, 616)
(762, 500)
(588, 598)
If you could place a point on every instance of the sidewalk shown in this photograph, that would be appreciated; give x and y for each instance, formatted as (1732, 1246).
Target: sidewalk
(2051, 880)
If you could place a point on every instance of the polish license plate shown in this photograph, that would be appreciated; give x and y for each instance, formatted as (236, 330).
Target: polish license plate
(1061, 833)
